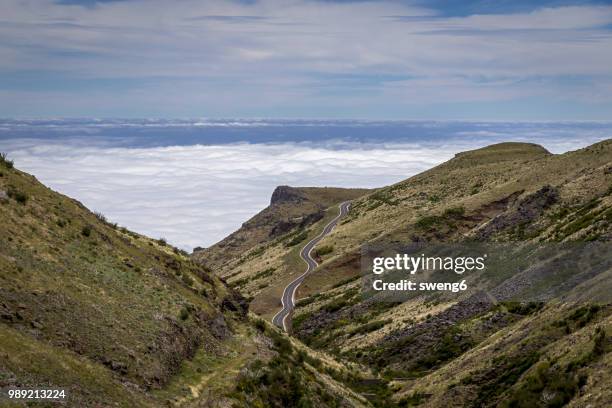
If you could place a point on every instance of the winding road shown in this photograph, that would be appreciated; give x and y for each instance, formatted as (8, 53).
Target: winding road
(288, 298)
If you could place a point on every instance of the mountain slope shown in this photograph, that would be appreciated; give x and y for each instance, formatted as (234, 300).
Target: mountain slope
(513, 193)
(291, 209)
(118, 319)
(295, 215)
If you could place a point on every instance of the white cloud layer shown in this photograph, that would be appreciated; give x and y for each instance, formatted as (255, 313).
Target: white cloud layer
(196, 195)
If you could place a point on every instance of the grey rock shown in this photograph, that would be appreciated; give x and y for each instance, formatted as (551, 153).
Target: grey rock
(286, 194)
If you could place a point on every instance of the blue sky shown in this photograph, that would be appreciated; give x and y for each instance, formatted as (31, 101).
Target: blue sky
(453, 59)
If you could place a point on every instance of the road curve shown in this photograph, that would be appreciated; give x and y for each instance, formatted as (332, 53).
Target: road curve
(288, 298)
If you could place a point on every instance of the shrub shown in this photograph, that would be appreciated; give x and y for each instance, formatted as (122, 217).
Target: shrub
(345, 281)
(384, 197)
(162, 242)
(428, 221)
(100, 217)
(282, 344)
(524, 308)
(335, 305)
(260, 325)
(4, 161)
(187, 280)
(21, 198)
(324, 250)
(17, 195)
(454, 212)
(264, 273)
(370, 327)
(297, 239)
(599, 342)
(184, 313)
(86, 231)
(414, 399)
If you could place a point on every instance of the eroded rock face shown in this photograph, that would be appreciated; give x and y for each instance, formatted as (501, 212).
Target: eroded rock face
(526, 210)
(236, 303)
(286, 194)
(3, 196)
(219, 328)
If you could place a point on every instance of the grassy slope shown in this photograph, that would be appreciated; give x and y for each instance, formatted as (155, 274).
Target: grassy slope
(480, 182)
(291, 210)
(485, 183)
(124, 305)
(114, 317)
(268, 244)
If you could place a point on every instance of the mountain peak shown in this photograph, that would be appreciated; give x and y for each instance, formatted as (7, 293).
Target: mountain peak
(286, 194)
(504, 151)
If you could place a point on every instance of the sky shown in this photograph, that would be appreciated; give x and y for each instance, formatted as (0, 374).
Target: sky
(453, 59)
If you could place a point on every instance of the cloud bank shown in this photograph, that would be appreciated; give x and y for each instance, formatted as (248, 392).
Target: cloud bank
(196, 195)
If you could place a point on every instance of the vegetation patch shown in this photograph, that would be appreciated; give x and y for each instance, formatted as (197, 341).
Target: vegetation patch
(384, 197)
(5, 162)
(370, 327)
(297, 239)
(18, 195)
(284, 381)
(522, 308)
(429, 221)
(325, 250)
(553, 384)
(261, 274)
(86, 230)
(345, 281)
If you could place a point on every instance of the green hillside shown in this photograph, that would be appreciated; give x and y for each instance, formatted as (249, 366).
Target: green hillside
(294, 215)
(118, 319)
(518, 353)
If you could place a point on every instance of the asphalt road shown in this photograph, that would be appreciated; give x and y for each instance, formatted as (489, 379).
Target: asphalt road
(288, 298)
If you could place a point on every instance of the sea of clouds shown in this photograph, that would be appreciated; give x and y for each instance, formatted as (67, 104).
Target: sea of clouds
(194, 195)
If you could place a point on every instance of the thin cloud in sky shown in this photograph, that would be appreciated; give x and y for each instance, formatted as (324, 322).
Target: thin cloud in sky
(302, 58)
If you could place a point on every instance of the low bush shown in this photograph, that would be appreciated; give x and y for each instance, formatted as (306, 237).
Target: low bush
(335, 305)
(370, 327)
(101, 217)
(346, 281)
(414, 399)
(454, 212)
(523, 308)
(428, 221)
(297, 239)
(17, 195)
(260, 325)
(325, 250)
(5, 162)
(86, 231)
(384, 197)
(187, 280)
(184, 313)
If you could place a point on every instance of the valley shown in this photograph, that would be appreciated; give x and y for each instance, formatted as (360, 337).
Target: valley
(202, 329)
(511, 193)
